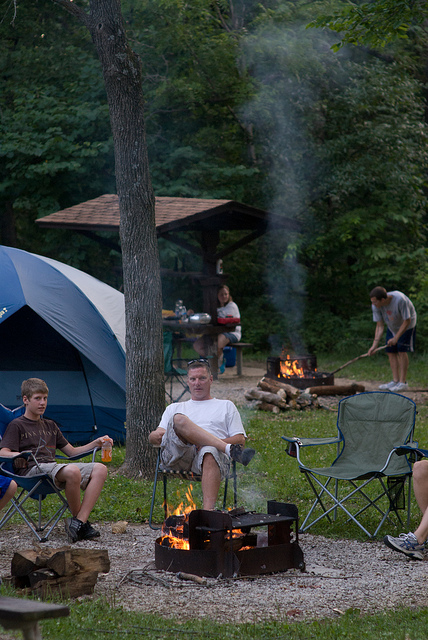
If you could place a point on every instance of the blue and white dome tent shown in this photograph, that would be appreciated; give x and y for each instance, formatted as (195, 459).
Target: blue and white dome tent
(68, 328)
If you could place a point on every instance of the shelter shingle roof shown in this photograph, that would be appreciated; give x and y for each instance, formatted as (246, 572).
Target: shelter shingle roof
(102, 213)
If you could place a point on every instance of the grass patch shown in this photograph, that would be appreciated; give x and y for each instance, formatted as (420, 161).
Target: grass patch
(95, 619)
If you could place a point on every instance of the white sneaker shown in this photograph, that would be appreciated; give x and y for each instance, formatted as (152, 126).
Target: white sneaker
(400, 386)
(388, 385)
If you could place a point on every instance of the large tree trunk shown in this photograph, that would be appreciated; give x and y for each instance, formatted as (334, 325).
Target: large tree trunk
(141, 271)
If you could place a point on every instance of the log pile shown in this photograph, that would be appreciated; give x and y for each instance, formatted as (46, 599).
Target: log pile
(275, 396)
(69, 572)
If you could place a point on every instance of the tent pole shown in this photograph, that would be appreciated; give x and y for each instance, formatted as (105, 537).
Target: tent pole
(89, 390)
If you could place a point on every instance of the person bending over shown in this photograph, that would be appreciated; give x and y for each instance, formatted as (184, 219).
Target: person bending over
(395, 310)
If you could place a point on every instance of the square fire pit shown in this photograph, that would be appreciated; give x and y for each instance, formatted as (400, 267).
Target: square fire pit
(223, 543)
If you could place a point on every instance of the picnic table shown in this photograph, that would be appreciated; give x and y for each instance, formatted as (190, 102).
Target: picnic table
(25, 615)
(209, 332)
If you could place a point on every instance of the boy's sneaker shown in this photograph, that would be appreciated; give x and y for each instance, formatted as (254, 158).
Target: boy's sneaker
(388, 385)
(72, 529)
(400, 386)
(87, 532)
(239, 454)
(406, 543)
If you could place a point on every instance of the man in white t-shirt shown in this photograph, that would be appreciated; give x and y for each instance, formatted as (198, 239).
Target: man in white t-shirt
(394, 309)
(203, 434)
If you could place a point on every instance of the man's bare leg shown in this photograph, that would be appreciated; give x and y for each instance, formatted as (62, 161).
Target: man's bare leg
(210, 481)
(403, 365)
(393, 363)
(191, 433)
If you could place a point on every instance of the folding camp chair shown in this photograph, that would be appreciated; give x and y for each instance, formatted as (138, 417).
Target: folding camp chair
(173, 374)
(36, 487)
(169, 473)
(370, 427)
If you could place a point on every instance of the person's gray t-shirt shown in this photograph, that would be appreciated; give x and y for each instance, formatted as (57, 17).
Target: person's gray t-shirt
(399, 309)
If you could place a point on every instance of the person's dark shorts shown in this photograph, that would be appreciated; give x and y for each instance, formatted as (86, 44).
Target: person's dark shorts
(406, 342)
(4, 485)
(231, 337)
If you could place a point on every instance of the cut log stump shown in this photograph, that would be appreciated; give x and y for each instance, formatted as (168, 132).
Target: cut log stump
(71, 572)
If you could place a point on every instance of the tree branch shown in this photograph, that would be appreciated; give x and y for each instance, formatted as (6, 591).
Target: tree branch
(74, 10)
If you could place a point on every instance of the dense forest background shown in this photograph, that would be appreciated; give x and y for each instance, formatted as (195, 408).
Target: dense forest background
(242, 102)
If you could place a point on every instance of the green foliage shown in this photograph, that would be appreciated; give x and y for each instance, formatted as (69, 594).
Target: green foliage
(56, 143)
(373, 23)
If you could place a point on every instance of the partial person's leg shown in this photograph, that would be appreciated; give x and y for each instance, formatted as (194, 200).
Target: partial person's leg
(420, 488)
(393, 363)
(199, 346)
(222, 341)
(10, 492)
(403, 365)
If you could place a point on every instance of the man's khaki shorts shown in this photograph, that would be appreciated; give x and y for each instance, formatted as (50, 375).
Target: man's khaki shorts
(179, 456)
(52, 468)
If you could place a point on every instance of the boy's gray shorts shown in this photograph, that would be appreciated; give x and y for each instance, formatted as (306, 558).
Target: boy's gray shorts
(52, 468)
(179, 456)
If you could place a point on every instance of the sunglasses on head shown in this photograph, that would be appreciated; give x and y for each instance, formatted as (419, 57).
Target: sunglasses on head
(204, 360)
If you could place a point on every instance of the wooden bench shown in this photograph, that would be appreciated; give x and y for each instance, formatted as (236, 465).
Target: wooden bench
(25, 615)
(239, 346)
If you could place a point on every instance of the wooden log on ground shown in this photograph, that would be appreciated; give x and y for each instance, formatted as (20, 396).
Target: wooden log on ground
(26, 560)
(269, 384)
(336, 390)
(67, 562)
(265, 406)
(81, 584)
(265, 396)
(71, 572)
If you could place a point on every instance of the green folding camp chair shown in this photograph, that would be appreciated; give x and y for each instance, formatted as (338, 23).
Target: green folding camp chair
(370, 427)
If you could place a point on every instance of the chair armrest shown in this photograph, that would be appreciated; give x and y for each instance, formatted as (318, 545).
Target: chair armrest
(312, 442)
(78, 456)
(294, 444)
(411, 448)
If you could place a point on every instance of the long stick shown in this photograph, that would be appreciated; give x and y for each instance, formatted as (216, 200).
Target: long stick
(364, 355)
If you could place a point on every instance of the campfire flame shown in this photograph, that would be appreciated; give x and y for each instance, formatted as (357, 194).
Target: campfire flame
(176, 537)
(290, 367)
(173, 533)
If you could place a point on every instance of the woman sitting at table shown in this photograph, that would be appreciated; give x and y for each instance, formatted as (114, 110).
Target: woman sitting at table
(227, 309)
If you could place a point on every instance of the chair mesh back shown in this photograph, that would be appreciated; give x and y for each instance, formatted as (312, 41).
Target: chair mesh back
(372, 424)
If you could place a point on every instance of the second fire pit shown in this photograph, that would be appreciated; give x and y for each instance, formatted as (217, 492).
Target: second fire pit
(299, 371)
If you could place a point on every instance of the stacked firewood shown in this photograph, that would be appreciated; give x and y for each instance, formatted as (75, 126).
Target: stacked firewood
(275, 396)
(70, 572)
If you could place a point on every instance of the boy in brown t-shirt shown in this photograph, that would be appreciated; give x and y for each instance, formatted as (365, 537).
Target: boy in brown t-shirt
(32, 432)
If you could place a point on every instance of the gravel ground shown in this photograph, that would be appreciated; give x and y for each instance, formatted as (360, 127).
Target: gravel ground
(340, 574)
